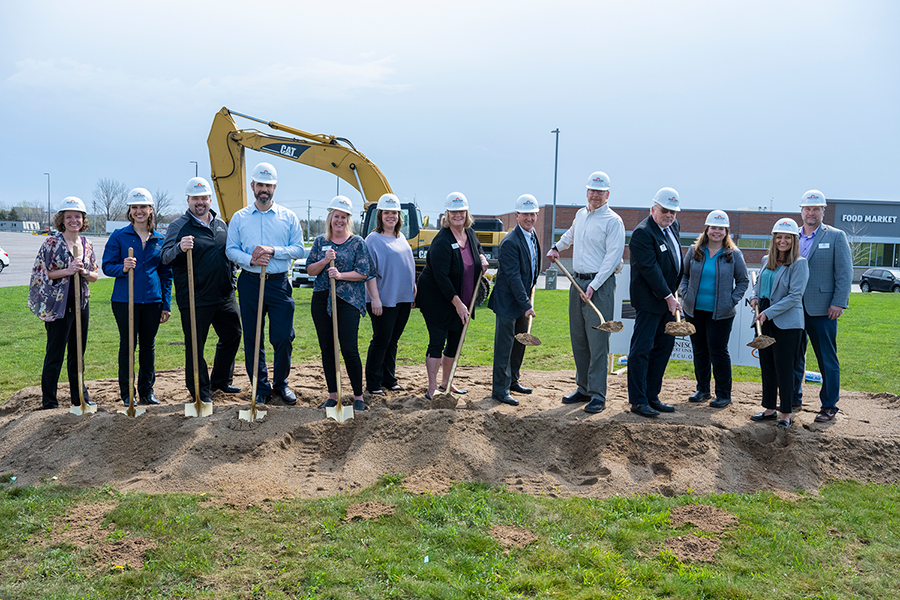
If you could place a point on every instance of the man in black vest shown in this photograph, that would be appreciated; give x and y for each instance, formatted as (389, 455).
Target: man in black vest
(205, 234)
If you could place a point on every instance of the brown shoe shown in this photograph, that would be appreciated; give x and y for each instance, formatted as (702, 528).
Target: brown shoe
(826, 414)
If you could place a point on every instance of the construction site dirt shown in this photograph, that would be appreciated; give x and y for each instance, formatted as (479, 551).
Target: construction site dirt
(539, 447)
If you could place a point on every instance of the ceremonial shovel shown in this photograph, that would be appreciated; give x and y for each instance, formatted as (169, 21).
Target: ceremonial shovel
(526, 339)
(339, 412)
(131, 411)
(198, 408)
(83, 407)
(253, 414)
(760, 341)
(609, 326)
(680, 328)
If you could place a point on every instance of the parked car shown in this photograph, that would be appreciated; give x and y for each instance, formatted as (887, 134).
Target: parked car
(4, 259)
(299, 276)
(880, 280)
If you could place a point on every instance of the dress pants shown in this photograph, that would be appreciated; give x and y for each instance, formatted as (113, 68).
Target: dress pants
(648, 356)
(146, 324)
(590, 347)
(710, 345)
(278, 305)
(822, 334)
(777, 365)
(61, 342)
(508, 353)
(381, 359)
(348, 338)
(226, 321)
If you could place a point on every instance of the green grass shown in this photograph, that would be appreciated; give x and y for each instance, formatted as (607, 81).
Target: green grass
(867, 334)
(841, 544)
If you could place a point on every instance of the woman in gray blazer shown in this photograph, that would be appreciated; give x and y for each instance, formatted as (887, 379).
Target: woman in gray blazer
(779, 294)
(714, 281)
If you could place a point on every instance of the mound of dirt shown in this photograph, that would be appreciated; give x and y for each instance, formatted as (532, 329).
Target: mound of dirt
(367, 511)
(539, 447)
(512, 537)
(707, 518)
(693, 548)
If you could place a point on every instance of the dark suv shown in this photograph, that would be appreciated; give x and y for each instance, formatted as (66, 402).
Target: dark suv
(880, 280)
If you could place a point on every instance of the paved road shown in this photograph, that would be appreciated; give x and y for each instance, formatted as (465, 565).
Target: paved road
(23, 248)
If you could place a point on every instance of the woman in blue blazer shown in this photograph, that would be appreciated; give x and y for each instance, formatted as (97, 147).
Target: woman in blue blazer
(778, 294)
(152, 290)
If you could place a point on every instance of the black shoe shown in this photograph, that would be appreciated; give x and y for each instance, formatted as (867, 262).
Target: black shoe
(288, 396)
(359, 406)
(699, 396)
(720, 403)
(507, 399)
(228, 389)
(644, 410)
(458, 391)
(126, 401)
(206, 399)
(48, 406)
(519, 388)
(661, 406)
(596, 405)
(575, 398)
(260, 399)
(89, 403)
(149, 399)
(764, 417)
(330, 403)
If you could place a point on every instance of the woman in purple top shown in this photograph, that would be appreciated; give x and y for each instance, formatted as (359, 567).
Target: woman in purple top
(390, 294)
(453, 269)
(52, 297)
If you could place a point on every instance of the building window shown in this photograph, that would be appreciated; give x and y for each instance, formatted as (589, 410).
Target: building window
(751, 244)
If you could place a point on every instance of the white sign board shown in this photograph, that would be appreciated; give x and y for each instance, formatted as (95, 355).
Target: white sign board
(741, 331)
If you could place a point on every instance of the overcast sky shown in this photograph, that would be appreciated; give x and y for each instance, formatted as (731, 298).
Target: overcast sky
(734, 104)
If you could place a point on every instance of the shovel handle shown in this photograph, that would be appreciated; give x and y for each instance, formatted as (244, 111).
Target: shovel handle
(581, 291)
(532, 308)
(334, 327)
(76, 252)
(131, 334)
(193, 313)
(462, 337)
(756, 308)
(677, 312)
(259, 315)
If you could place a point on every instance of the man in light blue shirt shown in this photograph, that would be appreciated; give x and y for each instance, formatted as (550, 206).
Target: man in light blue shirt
(266, 234)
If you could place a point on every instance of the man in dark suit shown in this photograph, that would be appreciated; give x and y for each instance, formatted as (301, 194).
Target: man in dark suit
(655, 272)
(520, 253)
(827, 295)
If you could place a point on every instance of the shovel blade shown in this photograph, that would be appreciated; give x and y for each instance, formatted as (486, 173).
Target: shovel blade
(198, 409)
(611, 326)
(83, 409)
(339, 413)
(132, 412)
(761, 341)
(251, 414)
(527, 339)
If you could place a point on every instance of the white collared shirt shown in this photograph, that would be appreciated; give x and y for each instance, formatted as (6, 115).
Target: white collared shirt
(598, 238)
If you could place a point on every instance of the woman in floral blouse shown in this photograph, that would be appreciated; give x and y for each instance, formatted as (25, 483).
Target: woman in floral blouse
(352, 268)
(52, 296)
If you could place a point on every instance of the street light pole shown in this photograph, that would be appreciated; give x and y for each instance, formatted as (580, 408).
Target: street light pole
(196, 168)
(550, 277)
(48, 201)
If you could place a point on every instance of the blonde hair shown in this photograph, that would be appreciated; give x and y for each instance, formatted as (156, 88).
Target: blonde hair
(328, 232)
(793, 255)
(446, 222)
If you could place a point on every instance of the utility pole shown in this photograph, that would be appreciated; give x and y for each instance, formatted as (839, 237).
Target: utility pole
(308, 222)
(550, 276)
(196, 168)
(48, 202)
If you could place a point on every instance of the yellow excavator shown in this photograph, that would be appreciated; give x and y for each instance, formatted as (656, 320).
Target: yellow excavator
(329, 153)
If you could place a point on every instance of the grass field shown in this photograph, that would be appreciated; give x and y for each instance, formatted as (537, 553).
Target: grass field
(867, 340)
(843, 543)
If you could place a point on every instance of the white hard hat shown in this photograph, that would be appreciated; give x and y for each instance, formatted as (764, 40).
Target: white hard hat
(813, 198)
(389, 202)
(456, 201)
(265, 173)
(341, 203)
(139, 197)
(197, 186)
(667, 198)
(786, 226)
(718, 218)
(527, 204)
(72, 203)
(598, 181)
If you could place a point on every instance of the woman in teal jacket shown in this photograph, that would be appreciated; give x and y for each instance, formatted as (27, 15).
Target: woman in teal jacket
(152, 290)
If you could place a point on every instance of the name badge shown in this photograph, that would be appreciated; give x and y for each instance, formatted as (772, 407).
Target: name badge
(326, 248)
(825, 246)
(663, 248)
(455, 246)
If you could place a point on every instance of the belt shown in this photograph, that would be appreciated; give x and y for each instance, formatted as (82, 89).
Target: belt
(585, 275)
(268, 275)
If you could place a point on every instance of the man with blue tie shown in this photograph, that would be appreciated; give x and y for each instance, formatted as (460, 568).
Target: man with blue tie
(597, 236)
(517, 275)
(270, 235)
(655, 257)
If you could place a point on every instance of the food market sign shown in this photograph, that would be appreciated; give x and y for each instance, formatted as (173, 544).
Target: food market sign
(869, 220)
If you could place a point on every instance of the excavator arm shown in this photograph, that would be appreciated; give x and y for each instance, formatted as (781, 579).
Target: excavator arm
(333, 154)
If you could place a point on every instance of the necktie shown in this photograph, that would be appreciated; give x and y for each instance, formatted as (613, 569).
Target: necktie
(674, 248)
(534, 257)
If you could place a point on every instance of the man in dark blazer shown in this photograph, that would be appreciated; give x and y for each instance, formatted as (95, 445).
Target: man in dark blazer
(827, 295)
(520, 253)
(655, 250)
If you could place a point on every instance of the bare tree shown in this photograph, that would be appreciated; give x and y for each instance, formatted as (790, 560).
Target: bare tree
(163, 204)
(30, 211)
(859, 248)
(110, 198)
